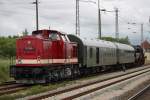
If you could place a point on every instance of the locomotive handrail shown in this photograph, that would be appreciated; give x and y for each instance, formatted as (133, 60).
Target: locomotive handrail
(12, 59)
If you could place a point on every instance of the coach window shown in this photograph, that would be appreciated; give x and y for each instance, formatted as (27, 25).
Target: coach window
(97, 55)
(91, 52)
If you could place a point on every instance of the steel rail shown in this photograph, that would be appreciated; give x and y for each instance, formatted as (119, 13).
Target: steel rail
(11, 87)
(134, 97)
(6, 87)
(8, 83)
(13, 90)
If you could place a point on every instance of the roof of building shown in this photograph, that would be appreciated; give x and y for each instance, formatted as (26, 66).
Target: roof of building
(145, 44)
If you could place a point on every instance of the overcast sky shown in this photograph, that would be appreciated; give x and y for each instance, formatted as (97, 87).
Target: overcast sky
(16, 15)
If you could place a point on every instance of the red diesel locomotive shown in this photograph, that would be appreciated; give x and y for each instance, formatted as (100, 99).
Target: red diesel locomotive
(44, 56)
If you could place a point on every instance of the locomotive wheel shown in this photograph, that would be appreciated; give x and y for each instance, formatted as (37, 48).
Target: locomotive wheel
(75, 72)
(48, 78)
(69, 72)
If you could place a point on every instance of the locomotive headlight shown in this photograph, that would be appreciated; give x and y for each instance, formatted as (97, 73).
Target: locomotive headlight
(39, 59)
(19, 61)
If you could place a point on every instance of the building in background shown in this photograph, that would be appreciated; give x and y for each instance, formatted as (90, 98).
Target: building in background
(146, 46)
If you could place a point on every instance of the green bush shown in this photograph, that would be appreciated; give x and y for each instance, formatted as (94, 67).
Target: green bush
(124, 40)
(4, 70)
(7, 47)
(7, 50)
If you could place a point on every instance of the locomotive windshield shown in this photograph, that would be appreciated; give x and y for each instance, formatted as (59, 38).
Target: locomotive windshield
(54, 36)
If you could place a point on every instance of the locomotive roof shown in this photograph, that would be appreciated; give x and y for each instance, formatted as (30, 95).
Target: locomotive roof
(40, 31)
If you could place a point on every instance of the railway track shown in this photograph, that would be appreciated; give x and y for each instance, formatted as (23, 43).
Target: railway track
(140, 93)
(11, 87)
(83, 89)
(7, 83)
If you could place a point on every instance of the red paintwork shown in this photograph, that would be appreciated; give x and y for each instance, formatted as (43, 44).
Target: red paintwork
(38, 45)
(22, 46)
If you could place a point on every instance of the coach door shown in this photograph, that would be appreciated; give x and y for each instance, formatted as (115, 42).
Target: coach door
(97, 55)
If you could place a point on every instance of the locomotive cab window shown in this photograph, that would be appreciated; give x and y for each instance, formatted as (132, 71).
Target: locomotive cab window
(54, 36)
(64, 38)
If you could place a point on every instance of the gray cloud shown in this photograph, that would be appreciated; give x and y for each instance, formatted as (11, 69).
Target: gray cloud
(16, 15)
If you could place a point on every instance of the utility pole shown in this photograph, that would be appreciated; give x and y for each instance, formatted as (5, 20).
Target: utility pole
(99, 20)
(77, 18)
(142, 33)
(116, 24)
(37, 14)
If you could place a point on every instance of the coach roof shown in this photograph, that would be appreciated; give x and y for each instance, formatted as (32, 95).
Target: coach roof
(93, 42)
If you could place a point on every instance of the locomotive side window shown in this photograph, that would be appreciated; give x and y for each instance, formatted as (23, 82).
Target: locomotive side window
(64, 38)
(67, 38)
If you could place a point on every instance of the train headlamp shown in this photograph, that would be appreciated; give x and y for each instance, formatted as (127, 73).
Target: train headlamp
(19, 61)
(39, 59)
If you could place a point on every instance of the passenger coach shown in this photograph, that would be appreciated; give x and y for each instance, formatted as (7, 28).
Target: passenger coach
(103, 54)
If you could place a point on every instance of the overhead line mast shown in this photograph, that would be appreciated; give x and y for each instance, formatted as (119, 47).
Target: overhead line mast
(142, 37)
(77, 18)
(99, 20)
(117, 24)
(37, 14)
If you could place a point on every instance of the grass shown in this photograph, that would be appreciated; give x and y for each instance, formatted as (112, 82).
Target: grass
(4, 70)
(34, 90)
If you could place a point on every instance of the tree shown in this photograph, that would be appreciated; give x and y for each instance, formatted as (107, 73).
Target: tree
(9, 37)
(25, 32)
(120, 40)
(7, 47)
(125, 40)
